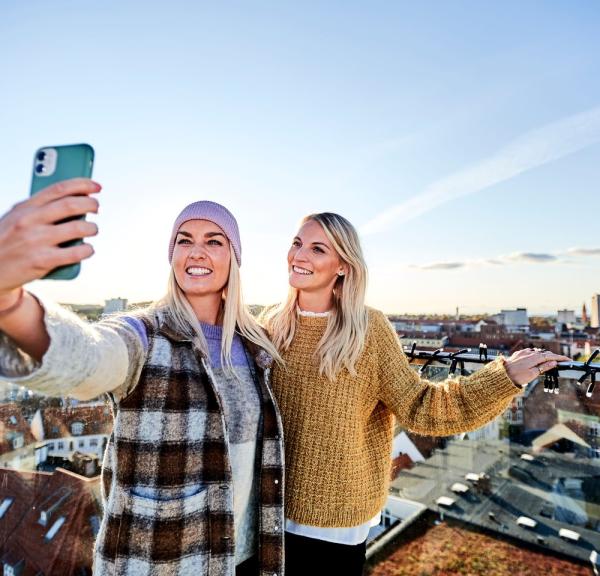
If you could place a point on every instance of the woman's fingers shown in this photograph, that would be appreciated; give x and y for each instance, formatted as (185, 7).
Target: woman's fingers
(541, 368)
(72, 187)
(70, 255)
(50, 258)
(29, 237)
(72, 230)
(526, 365)
(68, 207)
(524, 353)
(28, 217)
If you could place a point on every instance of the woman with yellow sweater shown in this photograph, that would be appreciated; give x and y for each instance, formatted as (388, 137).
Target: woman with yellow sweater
(345, 378)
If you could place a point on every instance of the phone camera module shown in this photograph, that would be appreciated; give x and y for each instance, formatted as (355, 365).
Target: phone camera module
(45, 162)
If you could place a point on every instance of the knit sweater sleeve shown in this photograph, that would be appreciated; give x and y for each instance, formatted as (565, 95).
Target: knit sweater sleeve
(453, 406)
(83, 360)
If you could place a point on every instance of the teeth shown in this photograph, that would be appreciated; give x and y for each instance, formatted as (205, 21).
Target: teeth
(193, 271)
(302, 271)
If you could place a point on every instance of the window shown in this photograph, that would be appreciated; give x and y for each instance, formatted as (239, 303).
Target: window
(15, 569)
(5, 506)
(18, 441)
(93, 442)
(95, 524)
(54, 529)
(77, 428)
(81, 443)
(61, 446)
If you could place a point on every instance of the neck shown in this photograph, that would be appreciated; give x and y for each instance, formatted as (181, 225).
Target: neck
(315, 301)
(207, 308)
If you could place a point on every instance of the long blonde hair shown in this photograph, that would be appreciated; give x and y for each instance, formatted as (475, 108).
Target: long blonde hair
(235, 315)
(344, 338)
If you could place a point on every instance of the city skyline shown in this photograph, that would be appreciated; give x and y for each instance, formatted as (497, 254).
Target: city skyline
(552, 314)
(462, 140)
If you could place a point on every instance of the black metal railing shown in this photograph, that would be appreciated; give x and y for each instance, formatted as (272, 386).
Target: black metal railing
(461, 359)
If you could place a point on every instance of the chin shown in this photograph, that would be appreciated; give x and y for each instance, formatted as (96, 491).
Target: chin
(298, 283)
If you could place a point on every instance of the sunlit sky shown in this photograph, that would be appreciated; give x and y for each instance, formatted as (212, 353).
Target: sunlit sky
(461, 138)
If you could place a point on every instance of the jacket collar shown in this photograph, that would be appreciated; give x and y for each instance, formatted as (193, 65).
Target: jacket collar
(166, 327)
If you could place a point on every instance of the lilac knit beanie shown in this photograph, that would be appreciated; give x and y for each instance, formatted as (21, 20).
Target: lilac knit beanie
(206, 210)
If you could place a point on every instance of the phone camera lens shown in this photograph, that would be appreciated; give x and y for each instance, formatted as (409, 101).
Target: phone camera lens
(40, 168)
(41, 156)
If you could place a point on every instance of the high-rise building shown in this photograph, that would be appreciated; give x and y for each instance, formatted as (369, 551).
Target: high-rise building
(595, 311)
(115, 305)
(514, 320)
(566, 317)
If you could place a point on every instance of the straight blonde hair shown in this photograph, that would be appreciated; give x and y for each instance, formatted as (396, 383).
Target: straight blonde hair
(345, 335)
(235, 315)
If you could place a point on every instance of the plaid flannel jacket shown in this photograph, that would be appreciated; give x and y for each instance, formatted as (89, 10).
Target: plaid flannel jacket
(170, 435)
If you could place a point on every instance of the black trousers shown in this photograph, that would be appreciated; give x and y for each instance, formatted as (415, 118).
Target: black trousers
(312, 557)
(248, 567)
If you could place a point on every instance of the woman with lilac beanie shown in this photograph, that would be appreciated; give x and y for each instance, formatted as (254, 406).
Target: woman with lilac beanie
(192, 478)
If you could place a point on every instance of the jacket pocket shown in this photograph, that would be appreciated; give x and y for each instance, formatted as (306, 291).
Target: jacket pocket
(166, 536)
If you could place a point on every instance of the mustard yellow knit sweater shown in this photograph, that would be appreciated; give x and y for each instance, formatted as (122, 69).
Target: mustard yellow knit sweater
(338, 435)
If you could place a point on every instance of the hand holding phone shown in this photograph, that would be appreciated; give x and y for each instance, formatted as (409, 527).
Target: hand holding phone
(53, 164)
(30, 238)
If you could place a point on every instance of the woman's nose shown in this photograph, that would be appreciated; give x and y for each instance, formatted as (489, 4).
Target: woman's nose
(198, 252)
(300, 255)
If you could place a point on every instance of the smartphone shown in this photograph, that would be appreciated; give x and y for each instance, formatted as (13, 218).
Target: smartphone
(52, 164)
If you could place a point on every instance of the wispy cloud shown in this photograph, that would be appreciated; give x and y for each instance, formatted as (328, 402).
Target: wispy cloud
(583, 251)
(532, 149)
(440, 266)
(531, 257)
(514, 258)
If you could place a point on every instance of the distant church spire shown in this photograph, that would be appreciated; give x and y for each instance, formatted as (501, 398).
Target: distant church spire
(584, 316)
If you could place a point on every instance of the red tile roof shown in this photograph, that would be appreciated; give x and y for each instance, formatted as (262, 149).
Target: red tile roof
(58, 421)
(450, 550)
(12, 421)
(23, 537)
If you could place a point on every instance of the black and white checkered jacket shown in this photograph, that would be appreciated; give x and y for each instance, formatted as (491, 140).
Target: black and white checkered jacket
(169, 435)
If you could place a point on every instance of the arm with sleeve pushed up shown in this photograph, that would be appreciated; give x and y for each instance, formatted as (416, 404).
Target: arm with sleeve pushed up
(456, 405)
(83, 360)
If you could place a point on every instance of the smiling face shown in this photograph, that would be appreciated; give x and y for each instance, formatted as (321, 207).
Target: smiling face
(201, 258)
(313, 263)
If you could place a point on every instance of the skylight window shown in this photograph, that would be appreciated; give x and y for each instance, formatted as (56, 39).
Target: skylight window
(54, 529)
(5, 506)
(526, 522)
(445, 501)
(569, 534)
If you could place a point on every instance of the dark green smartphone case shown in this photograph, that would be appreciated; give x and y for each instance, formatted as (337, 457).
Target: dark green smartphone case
(72, 161)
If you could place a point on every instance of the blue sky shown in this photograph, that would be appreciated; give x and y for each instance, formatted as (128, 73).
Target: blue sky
(461, 138)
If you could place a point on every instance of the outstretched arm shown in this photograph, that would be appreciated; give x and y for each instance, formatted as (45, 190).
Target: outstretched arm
(457, 404)
(29, 249)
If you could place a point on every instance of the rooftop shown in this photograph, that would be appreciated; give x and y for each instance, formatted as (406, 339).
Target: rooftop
(449, 549)
(554, 490)
(50, 521)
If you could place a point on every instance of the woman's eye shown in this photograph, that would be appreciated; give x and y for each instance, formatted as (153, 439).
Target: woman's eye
(296, 243)
(215, 243)
(183, 241)
(318, 250)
